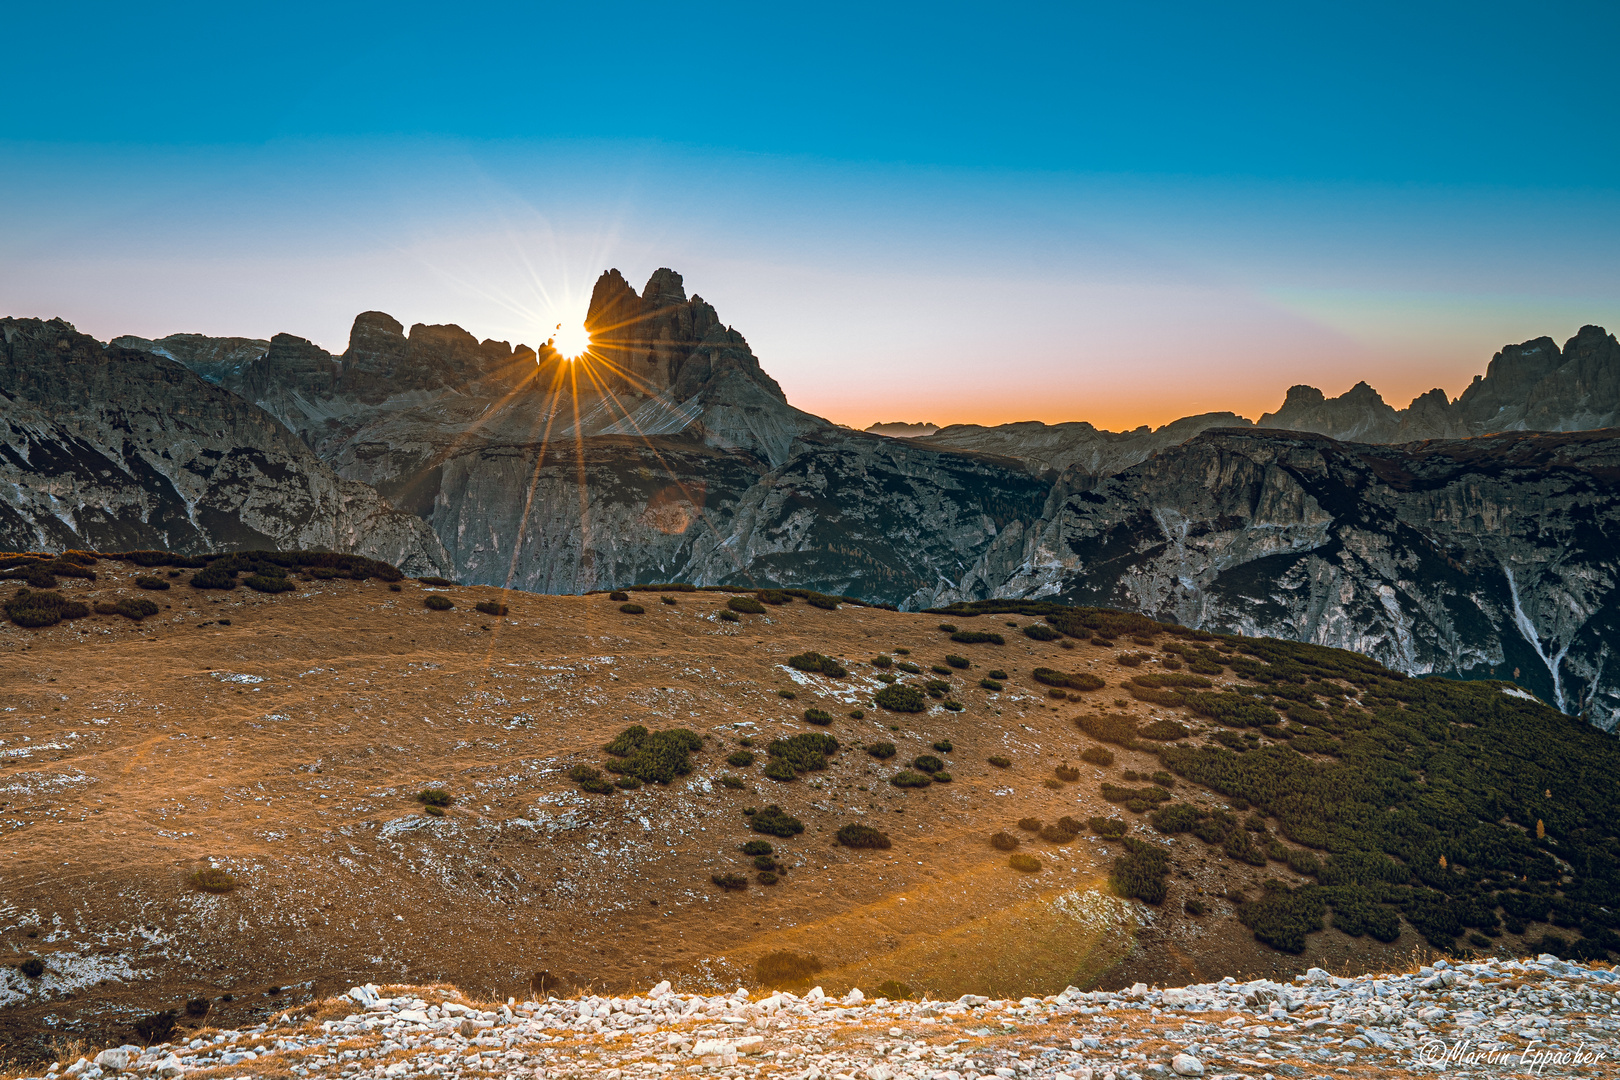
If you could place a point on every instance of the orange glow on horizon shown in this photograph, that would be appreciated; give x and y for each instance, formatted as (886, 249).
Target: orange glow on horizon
(571, 340)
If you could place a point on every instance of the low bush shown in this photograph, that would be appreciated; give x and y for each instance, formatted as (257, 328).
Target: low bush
(755, 848)
(780, 771)
(1107, 828)
(927, 763)
(1000, 762)
(767, 877)
(135, 608)
(818, 716)
(774, 597)
(774, 821)
(991, 685)
(37, 609)
(1098, 755)
(1116, 794)
(1041, 632)
(729, 882)
(438, 603)
(943, 746)
(1030, 824)
(216, 575)
(1083, 680)
(33, 967)
(1118, 730)
(435, 580)
(786, 969)
(1164, 731)
(668, 600)
(788, 695)
(740, 759)
(900, 698)
(745, 605)
(598, 785)
(656, 757)
(996, 673)
(1162, 778)
(213, 880)
(881, 662)
(857, 714)
(1195, 907)
(825, 603)
(1027, 864)
(730, 616)
(435, 797)
(735, 783)
(1067, 772)
(630, 783)
(490, 607)
(1057, 834)
(618, 596)
(978, 637)
(433, 811)
(632, 608)
(1131, 659)
(943, 777)
(1140, 872)
(894, 990)
(949, 628)
(267, 583)
(936, 688)
(393, 586)
(197, 1008)
(155, 1027)
(805, 752)
(816, 662)
(954, 661)
(906, 778)
(881, 750)
(1060, 695)
(863, 836)
(144, 582)
(907, 666)
(1003, 841)
(885, 677)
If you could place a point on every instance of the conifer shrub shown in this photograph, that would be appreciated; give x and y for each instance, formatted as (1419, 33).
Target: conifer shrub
(33, 967)
(1078, 681)
(630, 783)
(1162, 778)
(745, 605)
(1067, 773)
(1041, 632)
(825, 603)
(1097, 755)
(805, 752)
(943, 777)
(787, 694)
(668, 600)
(755, 848)
(881, 750)
(900, 698)
(632, 608)
(1195, 907)
(1164, 731)
(764, 862)
(155, 1027)
(134, 608)
(996, 673)
(1140, 872)
(655, 757)
(1030, 824)
(863, 836)
(991, 685)
(941, 669)
(740, 759)
(949, 628)
(735, 783)
(437, 602)
(1060, 695)
(393, 586)
(213, 880)
(950, 704)
(786, 969)
(907, 666)
(774, 597)
(1003, 841)
(885, 677)
(943, 746)
(1056, 834)
(729, 882)
(1000, 761)
(435, 797)
(1107, 828)
(766, 877)
(1027, 864)
(1118, 730)
(881, 662)
(857, 714)
(816, 662)
(978, 637)
(906, 778)
(269, 583)
(927, 763)
(436, 580)
(730, 616)
(38, 609)
(774, 821)
(818, 716)
(490, 607)
(894, 990)
(618, 595)
(144, 582)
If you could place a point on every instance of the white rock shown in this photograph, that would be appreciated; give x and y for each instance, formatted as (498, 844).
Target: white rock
(879, 1072)
(750, 1044)
(854, 997)
(816, 995)
(114, 1060)
(1186, 1065)
(659, 991)
(168, 1067)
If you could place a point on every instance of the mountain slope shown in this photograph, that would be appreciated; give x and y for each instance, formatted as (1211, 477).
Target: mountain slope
(107, 447)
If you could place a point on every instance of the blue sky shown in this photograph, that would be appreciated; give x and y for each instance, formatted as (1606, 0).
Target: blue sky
(944, 212)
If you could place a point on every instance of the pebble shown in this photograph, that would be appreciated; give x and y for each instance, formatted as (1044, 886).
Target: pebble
(1493, 1017)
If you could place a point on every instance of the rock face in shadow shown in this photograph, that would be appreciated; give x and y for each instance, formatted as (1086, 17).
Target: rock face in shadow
(109, 447)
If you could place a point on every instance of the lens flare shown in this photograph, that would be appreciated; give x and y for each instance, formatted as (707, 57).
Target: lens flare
(571, 340)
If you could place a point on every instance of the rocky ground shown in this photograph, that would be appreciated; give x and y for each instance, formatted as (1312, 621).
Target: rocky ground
(1543, 1017)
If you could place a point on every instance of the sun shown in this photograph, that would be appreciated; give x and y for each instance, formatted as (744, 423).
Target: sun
(571, 340)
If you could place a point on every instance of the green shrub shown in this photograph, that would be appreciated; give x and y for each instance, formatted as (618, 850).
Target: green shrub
(393, 586)
(943, 777)
(1041, 632)
(1097, 755)
(1163, 779)
(632, 609)
(144, 582)
(730, 616)
(213, 880)
(949, 628)
(729, 882)
(1027, 864)
(943, 746)
(863, 836)
(1107, 828)
(155, 1027)
(780, 771)
(774, 597)
(1060, 695)
(654, 757)
(36, 609)
(1115, 794)
(1067, 772)
(266, 583)
(668, 600)
(826, 603)
(490, 607)
(978, 637)
(1118, 730)
(1057, 834)
(857, 714)
(950, 704)
(893, 990)
(1140, 871)
(991, 684)
(927, 763)
(905, 778)
(818, 716)
(996, 673)
(435, 580)
(786, 969)
(1078, 681)
(740, 759)
(1000, 762)
(885, 677)
(1003, 841)
(766, 877)
(33, 967)
(735, 783)
(598, 785)
(1195, 907)
(216, 575)
(907, 666)
(881, 661)
(814, 661)
(773, 821)
(618, 596)
(1164, 731)
(787, 694)
(881, 750)
(1130, 659)
(630, 783)
(900, 698)
(135, 608)
(1030, 824)
(955, 661)
(1283, 916)
(805, 752)
(755, 848)
(435, 797)
(1174, 818)
(746, 605)
(438, 603)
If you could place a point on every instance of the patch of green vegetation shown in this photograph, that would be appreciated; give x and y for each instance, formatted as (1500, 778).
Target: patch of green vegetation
(1140, 872)
(1097, 755)
(618, 595)
(632, 608)
(907, 666)
(1027, 864)
(755, 848)
(730, 882)
(490, 607)
(144, 582)
(269, 583)
(213, 880)
(816, 662)
(1078, 681)
(906, 778)
(954, 661)
(735, 783)
(894, 990)
(740, 759)
(991, 685)
(881, 662)
(655, 757)
(927, 763)
(1041, 632)
(863, 836)
(774, 821)
(1067, 773)
(818, 716)
(943, 746)
(39, 609)
(746, 605)
(1003, 841)
(434, 579)
(438, 602)
(900, 698)
(978, 637)
(135, 608)
(1107, 828)
(881, 750)
(1000, 761)
(435, 797)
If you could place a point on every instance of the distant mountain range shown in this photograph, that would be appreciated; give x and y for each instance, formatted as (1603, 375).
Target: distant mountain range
(1444, 537)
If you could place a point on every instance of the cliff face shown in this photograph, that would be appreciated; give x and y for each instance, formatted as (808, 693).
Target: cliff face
(108, 447)
(1486, 557)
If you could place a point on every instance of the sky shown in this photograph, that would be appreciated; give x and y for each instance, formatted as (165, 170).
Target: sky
(946, 213)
